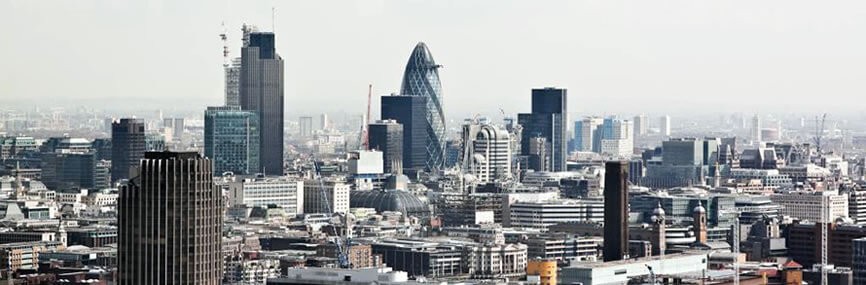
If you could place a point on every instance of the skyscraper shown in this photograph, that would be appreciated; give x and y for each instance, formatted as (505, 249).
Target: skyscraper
(231, 140)
(756, 129)
(410, 111)
(641, 125)
(233, 77)
(615, 211)
(617, 137)
(170, 222)
(305, 126)
(261, 91)
(421, 78)
(585, 133)
(547, 120)
(665, 125)
(127, 146)
(387, 136)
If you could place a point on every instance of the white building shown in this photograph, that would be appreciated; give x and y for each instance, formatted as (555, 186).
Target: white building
(486, 152)
(329, 196)
(321, 275)
(541, 215)
(285, 192)
(641, 125)
(620, 272)
(618, 140)
(665, 125)
(365, 167)
(497, 261)
(585, 131)
(806, 205)
(756, 129)
(239, 271)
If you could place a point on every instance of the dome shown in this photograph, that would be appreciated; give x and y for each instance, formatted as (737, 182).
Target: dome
(700, 209)
(659, 211)
(389, 200)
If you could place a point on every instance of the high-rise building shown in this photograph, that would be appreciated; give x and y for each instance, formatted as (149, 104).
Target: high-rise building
(641, 125)
(756, 129)
(305, 126)
(615, 211)
(231, 140)
(67, 169)
(410, 111)
(665, 125)
(547, 120)
(486, 152)
(261, 91)
(127, 147)
(387, 136)
(617, 138)
(233, 84)
(170, 222)
(585, 132)
(421, 79)
(175, 126)
(324, 122)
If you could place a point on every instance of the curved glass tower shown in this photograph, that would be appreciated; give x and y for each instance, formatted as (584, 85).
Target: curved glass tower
(421, 78)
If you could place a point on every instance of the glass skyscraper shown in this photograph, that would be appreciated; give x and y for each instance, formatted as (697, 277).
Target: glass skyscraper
(547, 121)
(421, 78)
(409, 111)
(231, 140)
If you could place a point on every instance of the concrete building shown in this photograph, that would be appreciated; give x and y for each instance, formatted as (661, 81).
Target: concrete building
(68, 169)
(305, 126)
(564, 248)
(25, 255)
(804, 243)
(149, 209)
(541, 271)
(423, 258)
(231, 140)
(486, 152)
(497, 261)
(621, 271)
(665, 125)
(806, 206)
(543, 214)
(333, 198)
(617, 138)
(127, 147)
(641, 125)
(284, 192)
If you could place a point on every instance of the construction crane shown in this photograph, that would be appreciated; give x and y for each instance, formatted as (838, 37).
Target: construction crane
(341, 244)
(224, 38)
(364, 136)
(819, 132)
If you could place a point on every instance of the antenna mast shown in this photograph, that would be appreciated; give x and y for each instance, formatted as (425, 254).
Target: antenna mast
(224, 38)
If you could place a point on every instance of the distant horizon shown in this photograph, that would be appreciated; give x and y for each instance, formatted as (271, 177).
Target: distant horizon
(665, 58)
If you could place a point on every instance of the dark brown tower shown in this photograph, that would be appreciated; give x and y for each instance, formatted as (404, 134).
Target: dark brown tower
(170, 222)
(615, 211)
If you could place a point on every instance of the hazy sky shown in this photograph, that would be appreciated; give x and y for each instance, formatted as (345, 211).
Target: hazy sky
(613, 56)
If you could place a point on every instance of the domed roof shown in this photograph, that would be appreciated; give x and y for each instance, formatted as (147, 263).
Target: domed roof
(659, 211)
(389, 200)
(700, 209)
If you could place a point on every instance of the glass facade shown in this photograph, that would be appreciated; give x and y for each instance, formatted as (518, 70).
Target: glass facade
(231, 140)
(421, 78)
(547, 120)
(261, 91)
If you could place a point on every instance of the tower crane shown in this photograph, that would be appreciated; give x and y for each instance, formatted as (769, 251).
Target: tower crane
(364, 138)
(819, 132)
(341, 243)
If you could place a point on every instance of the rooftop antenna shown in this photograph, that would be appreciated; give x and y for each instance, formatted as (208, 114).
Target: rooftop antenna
(273, 19)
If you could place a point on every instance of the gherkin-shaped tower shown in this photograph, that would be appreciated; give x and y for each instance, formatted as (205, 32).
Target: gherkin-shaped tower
(421, 78)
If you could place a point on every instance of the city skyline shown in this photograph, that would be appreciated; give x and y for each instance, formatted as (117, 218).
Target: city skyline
(690, 56)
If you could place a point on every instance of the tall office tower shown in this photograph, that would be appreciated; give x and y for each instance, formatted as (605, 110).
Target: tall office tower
(585, 134)
(615, 211)
(333, 198)
(261, 91)
(421, 79)
(387, 136)
(756, 129)
(231, 140)
(410, 111)
(170, 222)
(324, 123)
(233, 84)
(617, 138)
(537, 154)
(486, 152)
(305, 126)
(641, 125)
(547, 120)
(127, 147)
(68, 169)
(665, 125)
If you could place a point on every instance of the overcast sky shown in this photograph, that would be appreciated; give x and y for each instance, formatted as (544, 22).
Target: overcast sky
(613, 56)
